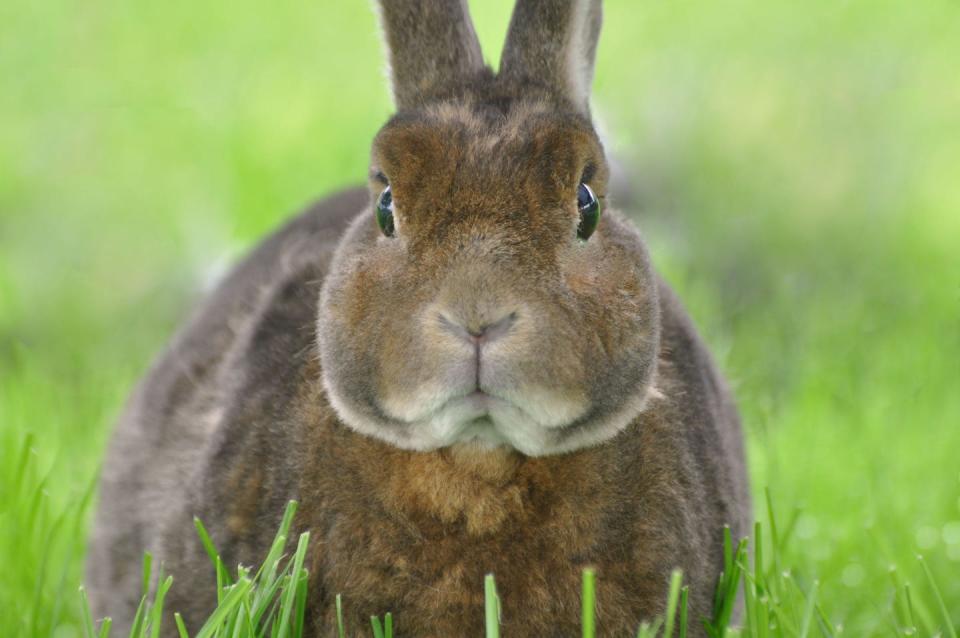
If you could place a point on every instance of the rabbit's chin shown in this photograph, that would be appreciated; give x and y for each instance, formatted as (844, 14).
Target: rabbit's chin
(491, 422)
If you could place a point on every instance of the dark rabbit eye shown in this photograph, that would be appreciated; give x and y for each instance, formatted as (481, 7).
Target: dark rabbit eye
(589, 207)
(385, 212)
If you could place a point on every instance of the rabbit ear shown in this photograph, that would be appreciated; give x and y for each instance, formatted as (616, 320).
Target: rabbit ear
(554, 42)
(430, 44)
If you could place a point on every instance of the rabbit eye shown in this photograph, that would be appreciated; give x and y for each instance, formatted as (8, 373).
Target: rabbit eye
(385, 213)
(589, 207)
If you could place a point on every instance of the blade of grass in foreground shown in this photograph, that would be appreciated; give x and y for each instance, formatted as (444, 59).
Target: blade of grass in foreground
(340, 630)
(948, 622)
(491, 607)
(156, 613)
(301, 605)
(376, 627)
(588, 604)
(231, 601)
(223, 579)
(87, 618)
(676, 580)
(272, 601)
(684, 595)
(147, 573)
(384, 630)
(808, 611)
(906, 594)
(181, 628)
(648, 629)
(289, 594)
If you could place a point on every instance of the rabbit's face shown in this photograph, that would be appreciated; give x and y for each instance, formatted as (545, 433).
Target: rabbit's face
(475, 309)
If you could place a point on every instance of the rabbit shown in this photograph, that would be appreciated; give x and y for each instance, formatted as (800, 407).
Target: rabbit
(467, 366)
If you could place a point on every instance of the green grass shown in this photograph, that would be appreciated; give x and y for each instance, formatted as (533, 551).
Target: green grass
(272, 601)
(269, 602)
(792, 165)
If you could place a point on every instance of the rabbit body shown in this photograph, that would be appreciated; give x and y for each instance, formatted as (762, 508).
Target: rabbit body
(472, 390)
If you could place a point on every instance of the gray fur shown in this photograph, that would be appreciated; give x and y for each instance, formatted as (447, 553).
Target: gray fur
(184, 424)
(431, 46)
(554, 43)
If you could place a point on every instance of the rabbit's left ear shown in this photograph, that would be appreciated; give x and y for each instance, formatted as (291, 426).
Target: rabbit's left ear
(431, 45)
(554, 43)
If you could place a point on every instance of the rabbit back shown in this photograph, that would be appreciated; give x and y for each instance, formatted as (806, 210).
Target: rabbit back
(170, 445)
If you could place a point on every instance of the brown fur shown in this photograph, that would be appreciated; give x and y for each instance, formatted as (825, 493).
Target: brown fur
(650, 500)
(294, 379)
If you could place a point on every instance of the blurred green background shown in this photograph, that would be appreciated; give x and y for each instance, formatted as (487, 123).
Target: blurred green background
(795, 167)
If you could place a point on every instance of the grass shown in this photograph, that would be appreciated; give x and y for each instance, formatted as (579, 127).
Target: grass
(792, 165)
(272, 601)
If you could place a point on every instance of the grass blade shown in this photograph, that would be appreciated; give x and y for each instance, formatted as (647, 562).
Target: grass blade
(156, 613)
(290, 593)
(223, 578)
(235, 595)
(948, 622)
(147, 573)
(340, 630)
(301, 605)
(758, 558)
(491, 607)
(136, 630)
(181, 628)
(910, 617)
(588, 604)
(648, 629)
(676, 580)
(684, 595)
(808, 610)
(727, 549)
(726, 595)
(774, 539)
(88, 627)
(377, 628)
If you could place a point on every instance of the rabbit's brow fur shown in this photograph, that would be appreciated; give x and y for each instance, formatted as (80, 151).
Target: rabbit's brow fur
(331, 367)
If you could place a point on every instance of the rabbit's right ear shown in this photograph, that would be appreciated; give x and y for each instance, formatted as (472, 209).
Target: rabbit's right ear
(431, 45)
(553, 43)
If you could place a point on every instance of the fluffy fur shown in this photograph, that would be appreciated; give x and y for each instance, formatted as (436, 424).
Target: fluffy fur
(472, 247)
(482, 392)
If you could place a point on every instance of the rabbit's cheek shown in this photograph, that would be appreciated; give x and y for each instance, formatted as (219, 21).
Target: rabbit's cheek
(544, 406)
(417, 398)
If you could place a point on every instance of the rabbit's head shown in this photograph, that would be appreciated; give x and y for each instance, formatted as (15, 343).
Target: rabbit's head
(489, 294)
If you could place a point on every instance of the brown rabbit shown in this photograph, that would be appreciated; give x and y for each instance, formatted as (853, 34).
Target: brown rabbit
(467, 367)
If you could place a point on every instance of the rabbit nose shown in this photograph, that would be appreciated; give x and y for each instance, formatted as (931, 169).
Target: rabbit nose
(477, 332)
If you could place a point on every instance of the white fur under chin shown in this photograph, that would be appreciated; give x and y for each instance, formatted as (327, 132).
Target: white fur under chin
(487, 421)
